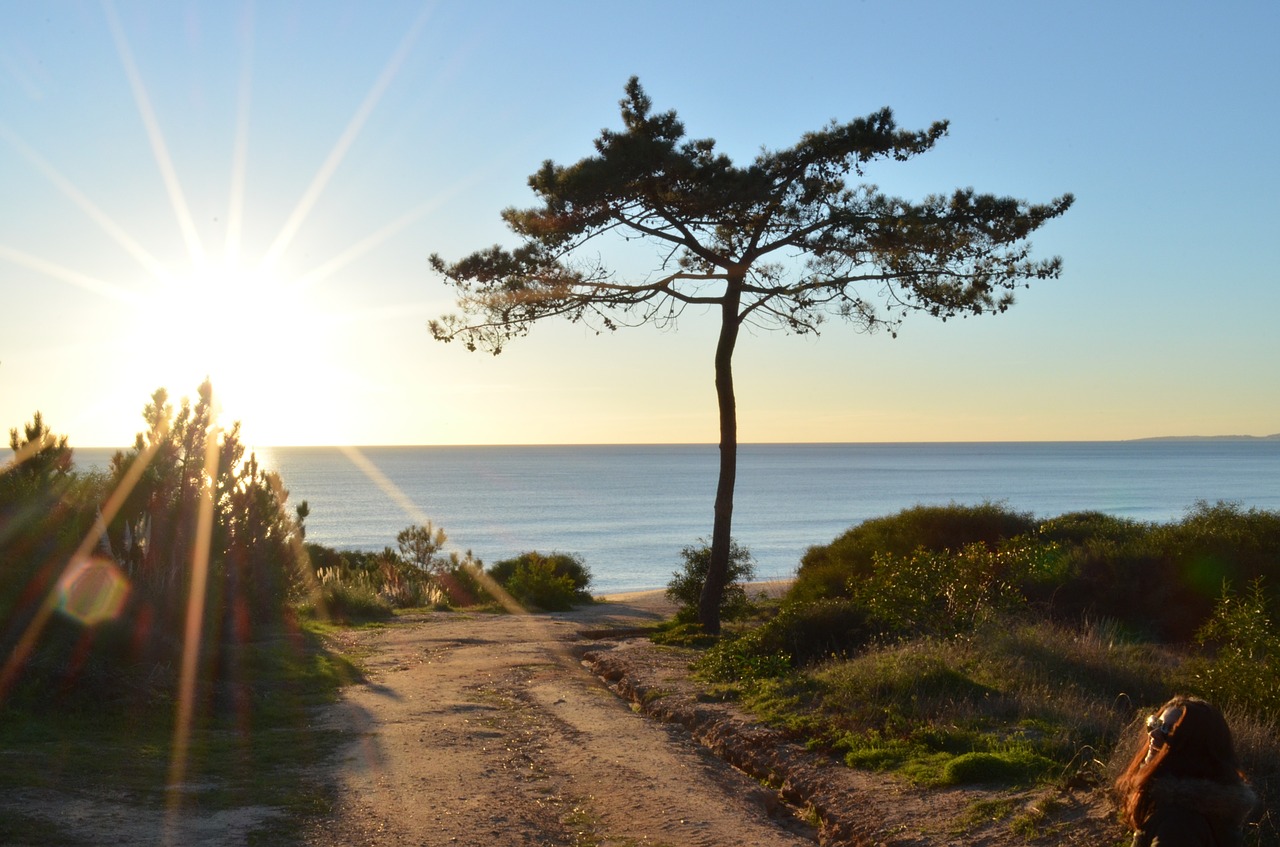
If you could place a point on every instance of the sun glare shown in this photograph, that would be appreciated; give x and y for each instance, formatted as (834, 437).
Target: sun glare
(237, 325)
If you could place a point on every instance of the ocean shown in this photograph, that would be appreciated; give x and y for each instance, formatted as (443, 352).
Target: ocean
(629, 509)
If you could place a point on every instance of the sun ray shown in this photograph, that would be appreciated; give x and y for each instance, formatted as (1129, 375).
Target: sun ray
(195, 248)
(345, 140)
(411, 511)
(84, 281)
(240, 156)
(101, 218)
(358, 249)
(378, 478)
(200, 551)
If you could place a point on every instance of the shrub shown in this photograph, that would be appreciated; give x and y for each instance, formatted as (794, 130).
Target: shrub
(347, 603)
(1091, 528)
(685, 587)
(742, 659)
(537, 584)
(826, 571)
(800, 634)
(449, 581)
(952, 591)
(400, 583)
(552, 582)
(1243, 672)
(811, 632)
(1215, 545)
(420, 545)
(461, 587)
(946, 568)
(1163, 579)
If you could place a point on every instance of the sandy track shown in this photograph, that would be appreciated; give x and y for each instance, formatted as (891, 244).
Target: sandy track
(483, 729)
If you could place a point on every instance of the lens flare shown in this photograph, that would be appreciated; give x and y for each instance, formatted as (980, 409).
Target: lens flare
(92, 591)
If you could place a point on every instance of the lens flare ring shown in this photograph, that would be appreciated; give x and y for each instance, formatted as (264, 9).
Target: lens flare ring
(92, 591)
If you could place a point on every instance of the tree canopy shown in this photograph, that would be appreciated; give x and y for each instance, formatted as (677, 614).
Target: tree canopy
(784, 242)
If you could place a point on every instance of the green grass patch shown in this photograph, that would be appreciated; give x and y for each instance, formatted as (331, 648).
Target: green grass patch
(1014, 704)
(675, 634)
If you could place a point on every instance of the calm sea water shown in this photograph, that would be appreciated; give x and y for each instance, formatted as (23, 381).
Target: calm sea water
(628, 510)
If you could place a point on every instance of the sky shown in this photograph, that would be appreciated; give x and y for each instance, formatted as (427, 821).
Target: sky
(251, 192)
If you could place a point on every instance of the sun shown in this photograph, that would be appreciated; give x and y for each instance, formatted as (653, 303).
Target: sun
(275, 342)
(239, 326)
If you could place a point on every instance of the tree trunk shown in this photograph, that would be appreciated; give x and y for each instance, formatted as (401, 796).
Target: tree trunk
(718, 570)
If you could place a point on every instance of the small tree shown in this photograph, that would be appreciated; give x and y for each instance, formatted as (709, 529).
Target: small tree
(685, 587)
(782, 242)
(189, 462)
(420, 546)
(32, 491)
(38, 454)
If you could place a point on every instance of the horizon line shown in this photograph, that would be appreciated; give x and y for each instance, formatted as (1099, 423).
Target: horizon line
(1270, 437)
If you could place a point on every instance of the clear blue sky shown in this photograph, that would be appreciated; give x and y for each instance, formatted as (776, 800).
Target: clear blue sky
(252, 191)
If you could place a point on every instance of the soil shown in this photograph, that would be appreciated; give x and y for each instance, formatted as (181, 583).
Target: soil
(574, 729)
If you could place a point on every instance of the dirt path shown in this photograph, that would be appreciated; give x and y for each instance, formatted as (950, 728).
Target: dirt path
(484, 729)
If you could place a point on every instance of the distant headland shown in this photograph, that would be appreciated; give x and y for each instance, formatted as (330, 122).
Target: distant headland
(1274, 437)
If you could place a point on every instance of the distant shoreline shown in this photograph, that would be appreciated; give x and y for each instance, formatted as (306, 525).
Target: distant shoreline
(1275, 437)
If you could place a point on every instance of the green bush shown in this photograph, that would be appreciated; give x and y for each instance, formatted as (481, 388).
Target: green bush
(552, 582)
(348, 603)
(952, 591)
(1242, 668)
(742, 659)
(537, 584)
(1091, 528)
(1161, 579)
(938, 569)
(800, 634)
(685, 587)
(812, 632)
(826, 571)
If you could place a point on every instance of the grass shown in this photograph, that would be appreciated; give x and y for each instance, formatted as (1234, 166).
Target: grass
(1012, 704)
(1015, 704)
(253, 744)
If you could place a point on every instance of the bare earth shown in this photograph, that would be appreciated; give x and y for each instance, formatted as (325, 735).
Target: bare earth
(488, 729)
(509, 729)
